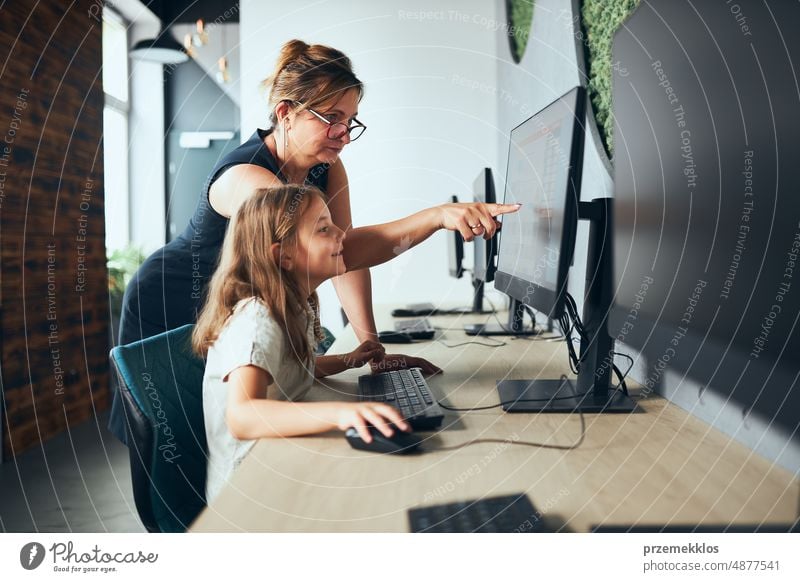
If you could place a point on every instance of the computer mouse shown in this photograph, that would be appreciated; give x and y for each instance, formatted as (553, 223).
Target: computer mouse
(400, 443)
(394, 337)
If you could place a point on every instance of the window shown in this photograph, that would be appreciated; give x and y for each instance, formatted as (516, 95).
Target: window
(115, 129)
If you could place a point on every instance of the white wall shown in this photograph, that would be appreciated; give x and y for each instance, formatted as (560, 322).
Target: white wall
(428, 135)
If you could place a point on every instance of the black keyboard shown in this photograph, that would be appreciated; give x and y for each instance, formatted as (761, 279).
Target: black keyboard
(407, 391)
(415, 310)
(417, 328)
(507, 514)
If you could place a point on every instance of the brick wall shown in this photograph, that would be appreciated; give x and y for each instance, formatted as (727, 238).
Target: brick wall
(53, 289)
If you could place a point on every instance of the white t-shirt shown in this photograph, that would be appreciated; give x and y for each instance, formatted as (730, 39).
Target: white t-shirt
(250, 337)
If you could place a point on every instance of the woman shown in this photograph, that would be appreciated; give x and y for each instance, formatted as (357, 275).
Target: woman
(314, 97)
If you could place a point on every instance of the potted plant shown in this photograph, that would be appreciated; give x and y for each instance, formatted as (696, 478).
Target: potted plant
(122, 264)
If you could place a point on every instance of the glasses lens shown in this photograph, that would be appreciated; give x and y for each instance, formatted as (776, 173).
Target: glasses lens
(356, 132)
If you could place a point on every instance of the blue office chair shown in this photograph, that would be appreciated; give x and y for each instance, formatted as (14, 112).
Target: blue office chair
(161, 386)
(324, 345)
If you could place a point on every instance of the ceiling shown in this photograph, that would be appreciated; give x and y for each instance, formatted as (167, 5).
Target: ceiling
(183, 11)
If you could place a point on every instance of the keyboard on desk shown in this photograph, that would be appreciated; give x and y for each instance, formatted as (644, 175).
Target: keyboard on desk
(506, 514)
(407, 391)
(420, 328)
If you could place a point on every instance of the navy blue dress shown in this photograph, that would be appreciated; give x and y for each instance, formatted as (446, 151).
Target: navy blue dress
(169, 288)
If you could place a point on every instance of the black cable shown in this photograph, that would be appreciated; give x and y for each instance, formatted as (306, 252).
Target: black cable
(479, 408)
(532, 314)
(571, 313)
(527, 338)
(527, 309)
(527, 443)
(567, 326)
(574, 361)
(497, 345)
(489, 301)
(621, 378)
(630, 359)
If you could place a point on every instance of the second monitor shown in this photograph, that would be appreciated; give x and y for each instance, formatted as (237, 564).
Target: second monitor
(544, 174)
(485, 266)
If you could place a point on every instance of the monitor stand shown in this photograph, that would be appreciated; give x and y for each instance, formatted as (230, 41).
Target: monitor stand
(592, 391)
(515, 325)
(559, 396)
(477, 297)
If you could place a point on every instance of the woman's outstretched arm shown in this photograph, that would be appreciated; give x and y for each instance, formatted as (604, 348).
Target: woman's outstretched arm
(367, 246)
(372, 245)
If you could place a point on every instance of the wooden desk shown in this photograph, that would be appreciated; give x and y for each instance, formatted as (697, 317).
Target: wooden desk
(658, 466)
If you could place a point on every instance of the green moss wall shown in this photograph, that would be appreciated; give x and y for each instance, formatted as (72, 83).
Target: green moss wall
(600, 19)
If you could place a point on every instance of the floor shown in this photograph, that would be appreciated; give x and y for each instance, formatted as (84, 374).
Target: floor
(76, 482)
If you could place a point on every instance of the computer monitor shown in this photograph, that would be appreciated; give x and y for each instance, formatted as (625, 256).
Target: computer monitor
(707, 213)
(484, 269)
(485, 251)
(455, 250)
(536, 247)
(544, 170)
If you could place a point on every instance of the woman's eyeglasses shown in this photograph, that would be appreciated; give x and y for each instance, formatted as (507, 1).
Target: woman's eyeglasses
(337, 129)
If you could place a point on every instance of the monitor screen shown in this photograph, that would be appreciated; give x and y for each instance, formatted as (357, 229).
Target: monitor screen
(485, 250)
(544, 169)
(455, 250)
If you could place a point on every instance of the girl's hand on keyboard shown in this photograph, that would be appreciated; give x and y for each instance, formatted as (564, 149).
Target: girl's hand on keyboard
(368, 351)
(361, 414)
(400, 362)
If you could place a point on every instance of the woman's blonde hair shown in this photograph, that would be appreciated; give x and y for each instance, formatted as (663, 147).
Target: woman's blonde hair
(311, 74)
(247, 268)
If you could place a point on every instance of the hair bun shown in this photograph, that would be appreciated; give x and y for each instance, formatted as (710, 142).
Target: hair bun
(290, 51)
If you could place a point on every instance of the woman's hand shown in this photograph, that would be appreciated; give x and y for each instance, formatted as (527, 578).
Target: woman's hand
(368, 351)
(474, 219)
(401, 362)
(361, 414)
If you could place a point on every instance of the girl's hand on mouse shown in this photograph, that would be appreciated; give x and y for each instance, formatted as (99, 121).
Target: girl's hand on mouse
(361, 414)
(368, 351)
(400, 362)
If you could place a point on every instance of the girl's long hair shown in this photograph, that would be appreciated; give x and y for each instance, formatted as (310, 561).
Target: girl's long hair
(247, 268)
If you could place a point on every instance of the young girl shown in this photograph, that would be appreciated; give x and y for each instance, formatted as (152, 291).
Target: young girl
(259, 326)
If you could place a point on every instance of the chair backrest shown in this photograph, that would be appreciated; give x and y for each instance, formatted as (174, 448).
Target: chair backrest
(324, 345)
(161, 385)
